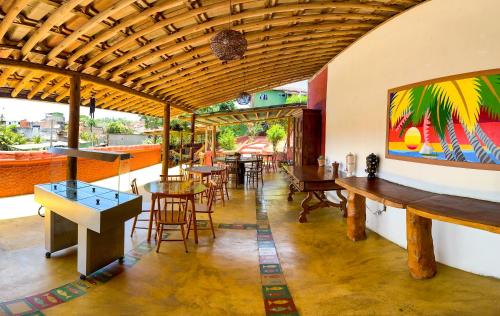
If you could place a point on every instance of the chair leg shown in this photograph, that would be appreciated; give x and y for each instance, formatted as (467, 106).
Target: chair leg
(211, 224)
(133, 226)
(189, 224)
(160, 237)
(184, 238)
(227, 192)
(221, 191)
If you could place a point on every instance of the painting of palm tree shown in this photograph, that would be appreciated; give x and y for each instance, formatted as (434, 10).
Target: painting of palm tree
(453, 121)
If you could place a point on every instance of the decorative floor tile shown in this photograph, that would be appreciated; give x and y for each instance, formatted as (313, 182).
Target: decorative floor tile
(267, 259)
(67, 292)
(18, 307)
(44, 300)
(273, 279)
(280, 306)
(270, 269)
(275, 291)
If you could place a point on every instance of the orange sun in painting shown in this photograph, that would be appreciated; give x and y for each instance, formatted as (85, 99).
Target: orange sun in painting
(412, 138)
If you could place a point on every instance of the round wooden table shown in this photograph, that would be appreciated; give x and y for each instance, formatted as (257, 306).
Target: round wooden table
(204, 170)
(174, 189)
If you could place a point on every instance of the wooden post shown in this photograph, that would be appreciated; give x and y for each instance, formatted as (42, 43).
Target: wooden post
(288, 138)
(293, 140)
(181, 149)
(166, 139)
(73, 125)
(214, 143)
(356, 217)
(206, 139)
(421, 261)
(191, 149)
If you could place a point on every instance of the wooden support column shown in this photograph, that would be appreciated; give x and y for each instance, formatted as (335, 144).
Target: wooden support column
(73, 125)
(356, 216)
(191, 149)
(214, 143)
(206, 139)
(421, 261)
(166, 139)
(288, 138)
(181, 156)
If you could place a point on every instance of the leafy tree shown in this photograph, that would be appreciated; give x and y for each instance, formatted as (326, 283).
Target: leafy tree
(219, 107)
(151, 122)
(255, 129)
(9, 136)
(296, 98)
(227, 139)
(117, 127)
(88, 121)
(275, 134)
(88, 137)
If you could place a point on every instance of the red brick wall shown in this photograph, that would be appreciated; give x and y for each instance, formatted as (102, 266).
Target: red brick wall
(20, 171)
(316, 99)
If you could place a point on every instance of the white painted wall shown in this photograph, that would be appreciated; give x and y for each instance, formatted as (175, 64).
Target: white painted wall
(435, 39)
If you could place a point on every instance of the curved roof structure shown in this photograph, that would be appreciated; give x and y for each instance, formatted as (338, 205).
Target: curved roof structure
(138, 54)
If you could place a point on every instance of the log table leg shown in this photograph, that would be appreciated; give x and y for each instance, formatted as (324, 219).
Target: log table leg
(305, 207)
(356, 217)
(421, 261)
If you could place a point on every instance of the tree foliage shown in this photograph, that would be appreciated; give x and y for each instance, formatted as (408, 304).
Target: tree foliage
(37, 139)
(275, 134)
(219, 107)
(151, 122)
(9, 136)
(296, 98)
(117, 127)
(227, 140)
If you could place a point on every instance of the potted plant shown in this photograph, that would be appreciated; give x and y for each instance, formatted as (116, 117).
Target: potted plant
(321, 161)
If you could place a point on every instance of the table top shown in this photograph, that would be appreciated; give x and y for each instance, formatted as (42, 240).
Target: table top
(460, 210)
(383, 191)
(241, 159)
(175, 187)
(205, 170)
(311, 173)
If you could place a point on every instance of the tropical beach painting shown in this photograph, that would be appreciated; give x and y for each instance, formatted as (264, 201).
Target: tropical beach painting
(449, 121)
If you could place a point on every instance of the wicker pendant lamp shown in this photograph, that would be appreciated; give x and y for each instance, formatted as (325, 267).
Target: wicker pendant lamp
(229, 44)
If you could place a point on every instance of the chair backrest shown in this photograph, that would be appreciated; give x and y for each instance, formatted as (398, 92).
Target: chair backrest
(171, 209)
(212, 186)
(217, 176)
(133, 184)
(171, 178)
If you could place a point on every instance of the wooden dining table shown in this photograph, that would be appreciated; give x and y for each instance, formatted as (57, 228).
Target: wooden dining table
(174, 189)
(204, 171)
(241, 165)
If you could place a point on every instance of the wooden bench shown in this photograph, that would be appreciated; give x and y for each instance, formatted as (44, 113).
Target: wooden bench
(421, 207)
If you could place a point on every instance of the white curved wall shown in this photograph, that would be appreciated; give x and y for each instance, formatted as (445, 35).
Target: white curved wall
(435, 39)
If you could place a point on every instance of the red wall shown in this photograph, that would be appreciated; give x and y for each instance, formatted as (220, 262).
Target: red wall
(20, 171)
(316, 99)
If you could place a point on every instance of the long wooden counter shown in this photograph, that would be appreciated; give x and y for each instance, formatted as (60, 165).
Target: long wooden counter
(421, 208)
(380, 190)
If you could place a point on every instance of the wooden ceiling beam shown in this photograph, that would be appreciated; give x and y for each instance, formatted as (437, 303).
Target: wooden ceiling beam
(15, 8)
(55, 18)
(252, 55)
(165, 68)
(290, 53)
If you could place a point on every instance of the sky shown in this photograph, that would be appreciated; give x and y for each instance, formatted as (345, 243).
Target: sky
(20, 109)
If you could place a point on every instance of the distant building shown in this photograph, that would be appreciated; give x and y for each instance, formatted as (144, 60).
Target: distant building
(274, 97)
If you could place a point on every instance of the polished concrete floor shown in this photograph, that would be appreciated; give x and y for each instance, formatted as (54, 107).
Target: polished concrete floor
(326, 273)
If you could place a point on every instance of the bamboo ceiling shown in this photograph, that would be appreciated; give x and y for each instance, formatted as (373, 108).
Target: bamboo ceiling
(138, 55)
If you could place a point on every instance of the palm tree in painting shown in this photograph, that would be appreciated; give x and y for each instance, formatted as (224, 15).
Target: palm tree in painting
(441, 102)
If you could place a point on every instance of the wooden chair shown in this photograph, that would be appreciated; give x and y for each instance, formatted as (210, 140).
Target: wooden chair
(218, 178)
(256, 172)
(232, 171)
(170, 211)
(171, 178)
(205, 208)
(146, 208)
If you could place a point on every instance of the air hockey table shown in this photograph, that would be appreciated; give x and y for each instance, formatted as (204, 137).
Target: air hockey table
(92, 217)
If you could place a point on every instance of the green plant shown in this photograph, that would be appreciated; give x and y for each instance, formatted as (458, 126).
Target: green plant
(37, 139)
(9, 136)
(117, 127)
(88, 137)
(227, 140)
(254, 129)
(296, 98)
(275, 134)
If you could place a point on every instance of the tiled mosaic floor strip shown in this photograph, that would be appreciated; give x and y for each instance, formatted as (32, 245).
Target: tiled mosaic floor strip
(33, 305)
(277, 297)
